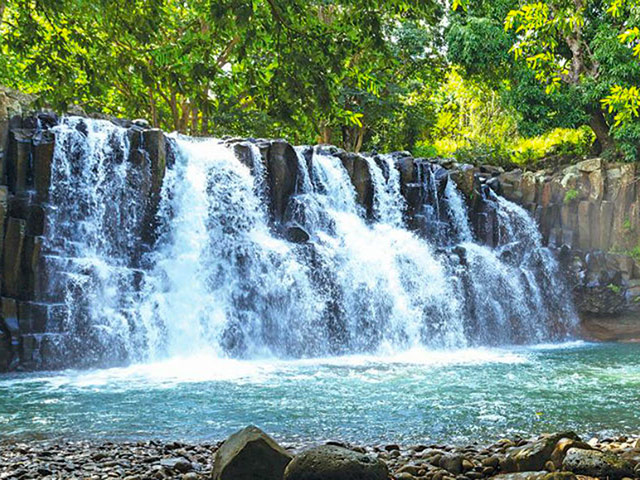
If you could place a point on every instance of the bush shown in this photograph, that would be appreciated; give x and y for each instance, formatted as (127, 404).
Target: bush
(424, 150)
(565, 142)
(570, 196)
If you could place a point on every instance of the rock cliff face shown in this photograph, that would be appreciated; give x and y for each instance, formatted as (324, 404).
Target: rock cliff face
(590, 212)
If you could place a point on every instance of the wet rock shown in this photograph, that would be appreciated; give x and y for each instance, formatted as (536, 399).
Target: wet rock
(296, 234)
(561, 449)
(282, 174)
(141, 122)
(533, 456)
(328, 462)
(536, 476)
(595, 463)
(452, 463)
(250, 454)
(179, 464)
(358, 170)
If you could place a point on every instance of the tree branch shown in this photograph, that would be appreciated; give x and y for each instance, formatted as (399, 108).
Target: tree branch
(224, 56)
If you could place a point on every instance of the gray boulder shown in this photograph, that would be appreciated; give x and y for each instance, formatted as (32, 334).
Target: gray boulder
(534, 455)
(250, 454)
(536, 476)
(330, 462)
(594, 463)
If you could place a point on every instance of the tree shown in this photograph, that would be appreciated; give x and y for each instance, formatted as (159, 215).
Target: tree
(572, 49)
(315, 71)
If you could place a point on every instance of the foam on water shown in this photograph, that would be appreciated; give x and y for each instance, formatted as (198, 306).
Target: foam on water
(420, 396)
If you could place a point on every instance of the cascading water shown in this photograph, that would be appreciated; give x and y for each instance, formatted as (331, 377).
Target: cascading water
(92, 251)
(220, 279)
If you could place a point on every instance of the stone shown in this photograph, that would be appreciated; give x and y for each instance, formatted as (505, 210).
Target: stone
(452, 463)
(141, 122)
(154, 142)
(43, 148)
(584, 224)
(177, 463)
(358, 169)
(404, 476)
(282, 175)
(250, 454)
(4, 206)
(533, 456)
(329, 462)
(595, 463)
(10, 321)
(596, 182)
(536, 476)
(528, 187)
(590, 165)
(464, 177)
(296, 234)
(605, 225)
(19, 159)
(12, 258)
(561, 449)
(405, 164)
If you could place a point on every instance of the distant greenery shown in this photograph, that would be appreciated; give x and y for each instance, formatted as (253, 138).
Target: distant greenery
(474, 125)
(498, 81)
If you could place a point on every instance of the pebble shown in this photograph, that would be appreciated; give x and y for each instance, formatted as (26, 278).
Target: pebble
(174, 460)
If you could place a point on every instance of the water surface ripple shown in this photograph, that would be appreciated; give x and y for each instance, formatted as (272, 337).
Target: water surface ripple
(418, 396)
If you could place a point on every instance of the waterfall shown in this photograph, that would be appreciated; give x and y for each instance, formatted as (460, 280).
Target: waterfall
(221, 278)
(92, 255)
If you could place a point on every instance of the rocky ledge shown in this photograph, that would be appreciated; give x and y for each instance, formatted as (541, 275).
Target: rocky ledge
(250, 454)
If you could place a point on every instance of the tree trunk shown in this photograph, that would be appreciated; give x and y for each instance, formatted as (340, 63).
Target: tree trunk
(194, 121)
(173, 104)
(325, 134)
(2, 5)
(600, 127)
(154, 109)
(360, 139)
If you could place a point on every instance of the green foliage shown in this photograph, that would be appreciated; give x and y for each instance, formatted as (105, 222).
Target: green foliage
(474, 125)
(614, 288)
(344, 71)
(424, 151)
(570, 196)
(564, 142)
(571, 63)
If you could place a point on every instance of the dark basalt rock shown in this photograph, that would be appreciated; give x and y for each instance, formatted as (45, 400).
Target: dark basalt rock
(282, 173)
(250, 454)
(296, 234)
(329, 462)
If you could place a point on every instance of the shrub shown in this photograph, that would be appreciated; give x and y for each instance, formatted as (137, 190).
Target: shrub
(570, 196)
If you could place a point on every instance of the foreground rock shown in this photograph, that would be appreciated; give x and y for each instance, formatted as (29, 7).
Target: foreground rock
(330, 462)
(534, 455)
(250, 454)
(594, 463)
(152, 460)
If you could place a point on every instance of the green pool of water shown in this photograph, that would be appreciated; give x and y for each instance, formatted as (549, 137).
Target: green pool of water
(418, 396)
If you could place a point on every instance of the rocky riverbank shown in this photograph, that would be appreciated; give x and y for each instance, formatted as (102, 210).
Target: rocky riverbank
(251, 454)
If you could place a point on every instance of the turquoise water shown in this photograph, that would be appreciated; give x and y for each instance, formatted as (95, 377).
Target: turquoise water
(419, 396)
